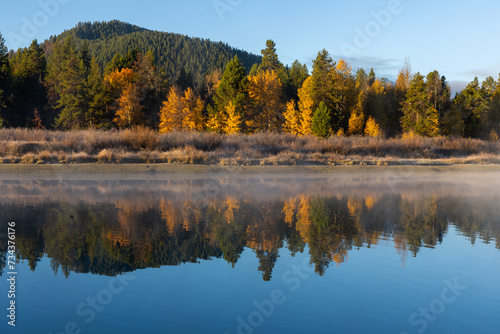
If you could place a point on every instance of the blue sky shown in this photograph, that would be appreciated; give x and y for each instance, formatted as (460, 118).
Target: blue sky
(459, 39)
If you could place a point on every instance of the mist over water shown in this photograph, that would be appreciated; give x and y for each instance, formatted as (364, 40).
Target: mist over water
(374, 247)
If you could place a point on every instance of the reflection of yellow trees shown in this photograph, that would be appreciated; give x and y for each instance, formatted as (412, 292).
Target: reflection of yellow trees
(169, 214)
(289, 210)
(303, 217)
(231, 205)
(370, 202)
(169, 228)
(354, 205)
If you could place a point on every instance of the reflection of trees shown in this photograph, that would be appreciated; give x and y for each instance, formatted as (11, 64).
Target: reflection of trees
(160, 227)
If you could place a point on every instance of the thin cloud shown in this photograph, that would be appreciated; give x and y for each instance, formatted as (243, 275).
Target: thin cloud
(481, 73)
(378, 63)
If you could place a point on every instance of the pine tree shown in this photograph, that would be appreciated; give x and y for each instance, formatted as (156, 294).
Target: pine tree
(232, 89)
(67, 79)
(152, 85)
(320, 124)
(418, 115)
(494, 109)
(322, 85)
(29, 70)
(438, 92)
(345, 94)
(5, 76)
(371, 77)
(270, 61)
(99, 99)
(470, 112)
(297, 74)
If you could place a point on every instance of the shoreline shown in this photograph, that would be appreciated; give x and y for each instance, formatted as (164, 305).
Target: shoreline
(94, 171)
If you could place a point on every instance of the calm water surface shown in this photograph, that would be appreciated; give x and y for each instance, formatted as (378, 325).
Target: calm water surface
(231, 253)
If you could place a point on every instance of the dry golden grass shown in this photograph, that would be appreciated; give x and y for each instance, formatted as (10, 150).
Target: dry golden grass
(141, 144)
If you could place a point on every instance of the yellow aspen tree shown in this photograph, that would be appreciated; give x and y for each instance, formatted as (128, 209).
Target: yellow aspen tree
(357, 119)
(172, 112)
(305, 107)
(129, 108)
(404, 78)
(193, 109)
(356, 122)
(372, 128)
(378, 87)
(233, 119)
(120, 79)
(345, 90)
(265, 91)
(292, 120)
(212, 81)
(432, 122)
(216, 121)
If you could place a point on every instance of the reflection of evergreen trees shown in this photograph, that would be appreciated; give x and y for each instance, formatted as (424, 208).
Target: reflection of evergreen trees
(121, 234)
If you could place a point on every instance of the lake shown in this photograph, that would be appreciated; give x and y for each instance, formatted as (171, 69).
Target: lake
(380, 252)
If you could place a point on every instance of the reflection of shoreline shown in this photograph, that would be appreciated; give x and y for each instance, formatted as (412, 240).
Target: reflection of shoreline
(98, 226)
(257, 187)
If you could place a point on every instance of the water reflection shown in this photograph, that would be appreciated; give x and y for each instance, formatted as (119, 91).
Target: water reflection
(108, 227)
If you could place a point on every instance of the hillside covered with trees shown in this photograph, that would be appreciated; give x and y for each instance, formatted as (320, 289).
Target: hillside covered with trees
(115, 75)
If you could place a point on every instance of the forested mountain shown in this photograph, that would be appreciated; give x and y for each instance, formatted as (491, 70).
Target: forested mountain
(173, 52)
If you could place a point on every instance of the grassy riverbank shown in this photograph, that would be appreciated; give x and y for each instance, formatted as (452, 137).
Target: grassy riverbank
(142, 145)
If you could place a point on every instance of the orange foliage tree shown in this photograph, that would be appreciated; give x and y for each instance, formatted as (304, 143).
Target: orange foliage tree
(265, 92)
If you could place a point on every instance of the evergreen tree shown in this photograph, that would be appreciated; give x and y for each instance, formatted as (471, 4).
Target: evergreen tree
(438, 92)
(419, 116)
(232, 89)
(361, 79)
(85, 57)
(494, 109)
(153, 86)
(68, 82)
(100, 99)
(297, 74)
(322, 89)
(270, 61)
(371, 77)
(320, 124)
(5, 77)
(469, 113)
(29, 71)
(345, 95)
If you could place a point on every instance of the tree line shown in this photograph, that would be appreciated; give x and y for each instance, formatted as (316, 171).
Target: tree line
(69, 89)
